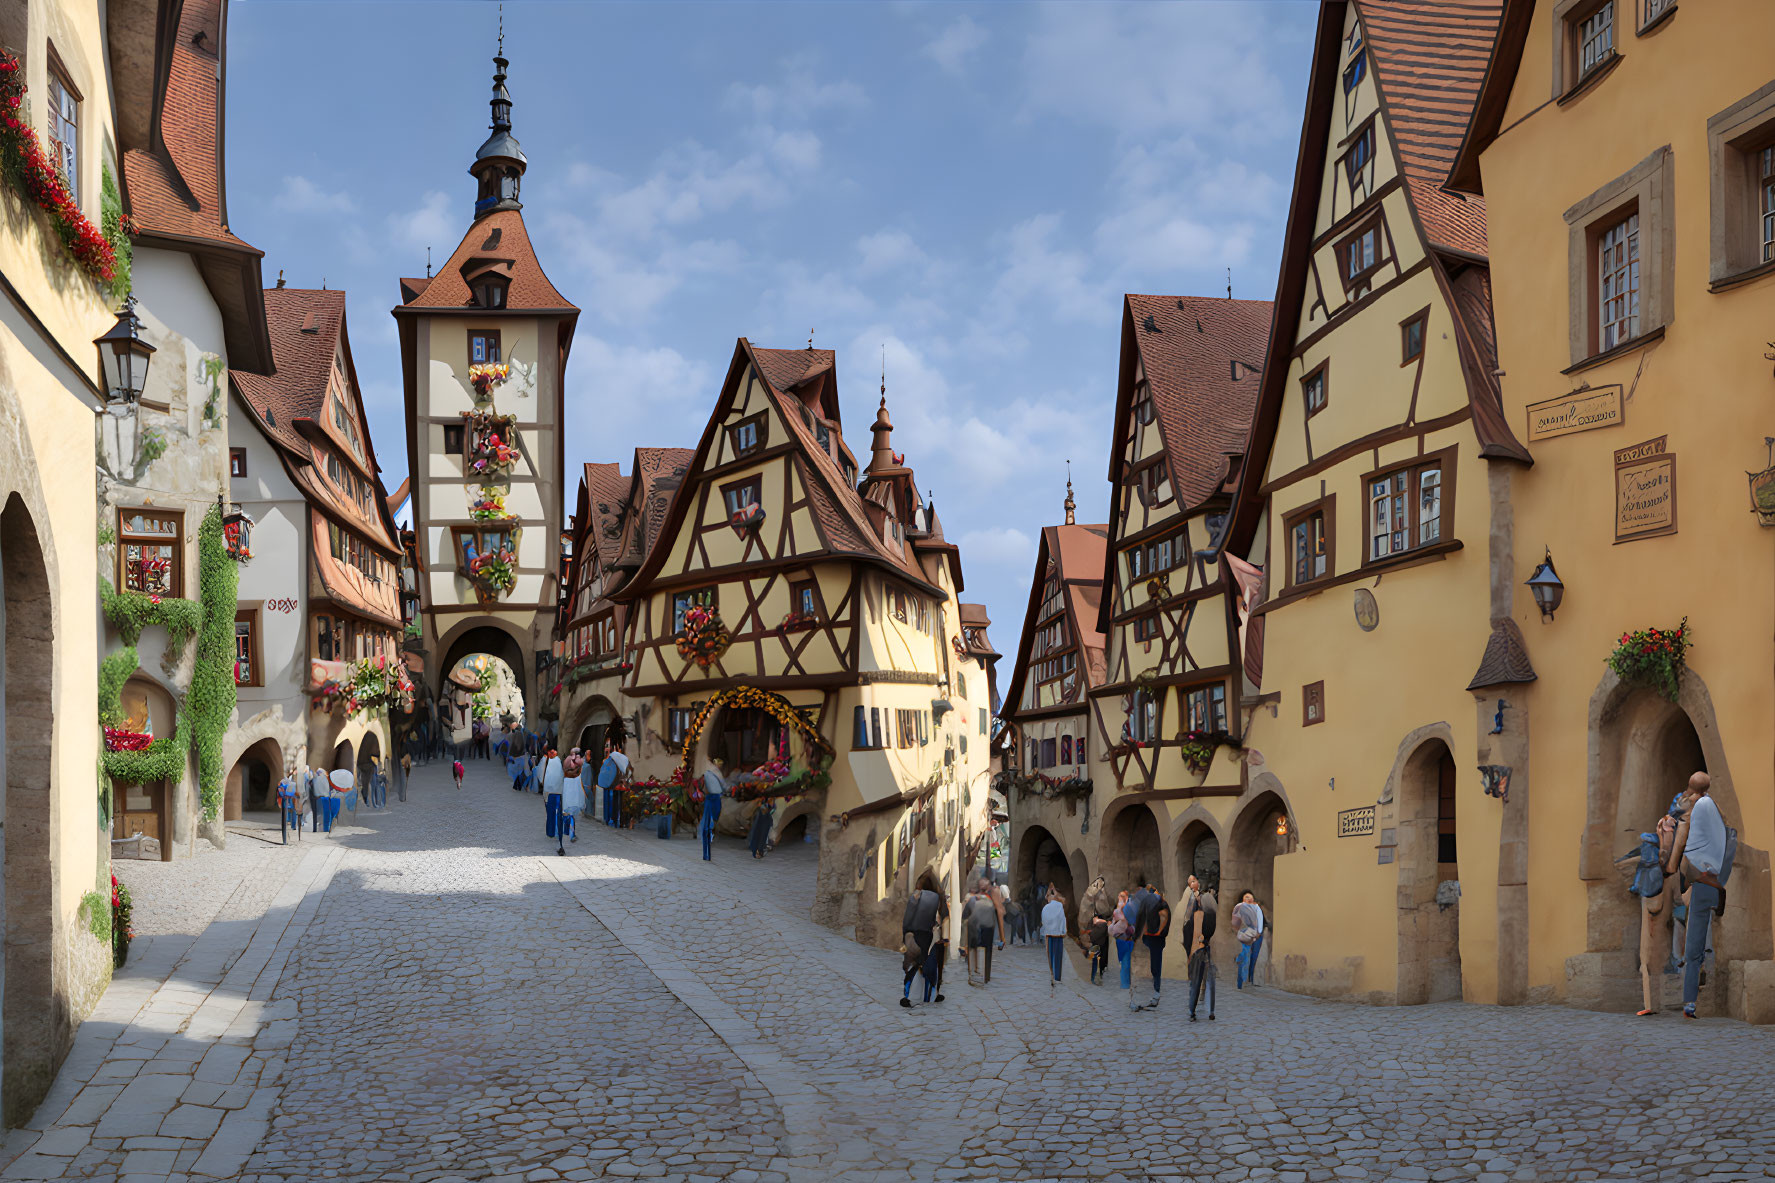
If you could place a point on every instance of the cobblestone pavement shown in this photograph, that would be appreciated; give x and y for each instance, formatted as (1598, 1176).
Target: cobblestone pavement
(435, 995)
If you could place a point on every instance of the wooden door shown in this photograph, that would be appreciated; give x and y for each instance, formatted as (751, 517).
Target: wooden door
(141, 809)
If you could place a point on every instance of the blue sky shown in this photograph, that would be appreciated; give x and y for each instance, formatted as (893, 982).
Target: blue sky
(972, 186)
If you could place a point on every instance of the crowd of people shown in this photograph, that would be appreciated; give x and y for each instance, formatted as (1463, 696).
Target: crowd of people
(1680, 872)
(1137, 917)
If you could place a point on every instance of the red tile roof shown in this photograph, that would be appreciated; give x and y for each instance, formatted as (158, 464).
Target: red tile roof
(499, 239)
(657, 475)
(1204, 411)
(605, 491)
(1429, 57)
(1079, 554)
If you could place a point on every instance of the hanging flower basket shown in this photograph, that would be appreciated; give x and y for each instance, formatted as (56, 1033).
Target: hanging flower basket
(704, 638)
(121, 739)
(1653, 658)
(495, 572)
(485, 377)
(489, 506)
(1198, 751)
(34, 174)
(798, 620)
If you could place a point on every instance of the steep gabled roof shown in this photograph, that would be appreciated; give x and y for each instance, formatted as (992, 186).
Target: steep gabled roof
(174, 180)
(1429, 57)
(498, 241)
(1078, 555)
(654, 481)
(604, 488)
(1487, 120)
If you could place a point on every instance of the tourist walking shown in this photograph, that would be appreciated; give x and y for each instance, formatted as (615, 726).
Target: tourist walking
(1096, 936)
(982, 921)
(456, 772)
(1122, 933)
(1248, 923)
(1153, 923)
(1054, 933)
(715, 785)
(1703, 851)
(573, 798)
(925, 911)
(1201, 961)
(313, 781)
(758, 837)
(612, 775)
(552, 776)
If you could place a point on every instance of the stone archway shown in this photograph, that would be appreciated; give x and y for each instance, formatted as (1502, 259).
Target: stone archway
(35, 1015)
(798, 824)
(1040, 859)
(1642, 750)
(1249, 861)
(1426, 857)
(342, 757)
(1199, 853)
(369, 752)
(495, 640)
(252, 782)
(1131, 847)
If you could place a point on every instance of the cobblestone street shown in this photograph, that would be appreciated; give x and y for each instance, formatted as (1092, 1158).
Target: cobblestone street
(433, 994)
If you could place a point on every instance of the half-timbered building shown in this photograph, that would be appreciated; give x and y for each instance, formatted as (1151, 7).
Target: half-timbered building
(1046, 778)
(1378, 468)
(800, 618)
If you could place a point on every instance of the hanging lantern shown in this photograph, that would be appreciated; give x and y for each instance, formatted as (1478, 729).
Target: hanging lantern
(237, 531)
(1281, 825)
(124, 357)
(1547, 587)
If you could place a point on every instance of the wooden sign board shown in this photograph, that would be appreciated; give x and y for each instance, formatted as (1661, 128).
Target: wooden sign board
(1353, 823)
(1645, 491)
(1581, 410)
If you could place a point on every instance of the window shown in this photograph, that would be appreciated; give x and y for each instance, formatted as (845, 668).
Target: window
(1355, 72)
(1146, 627)
(323, 637)
(453, 435)
(1312, 704)
(921, 614)
(64, 127)
(483, 346)
(471, 543)
(742, 494)
(490, 293)
(1143, 716)
(1143, 402)
(1652, 10)
(1066, 749)
(982, 720)
(1154, 483)
(1055, 668)
(1358, 255)
(1078, 751)
(859, 727)
(1207, 708)
(1313, 389)
(1596, 39)
(1048, 754)
(246, 647)
(896, 603)
(1618, 283)
(1621, 243)
(875, 727)
(1445, 810)
(1360, 155)
(1741, 169)
(604, 640)
(151, 551)
(804, 598)
(678, 720)
(1405, 510)
(1411, 338)
(336, 474)
(748, 435)
(1309, 543)
(237, 462)
(683, 601)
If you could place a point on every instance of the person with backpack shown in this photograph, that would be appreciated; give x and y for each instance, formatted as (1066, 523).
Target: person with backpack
(926, 911)
(1702, 849)
(1248, 924)
(715, 786)
(612, 775)
(1154, 929)
(1652, 887)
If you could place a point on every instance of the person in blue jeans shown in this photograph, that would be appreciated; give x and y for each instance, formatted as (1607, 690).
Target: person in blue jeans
(1054, 933)
(611, 774)
(1123, 935)
(715, 786)
(1248, 919)
(1700, 851)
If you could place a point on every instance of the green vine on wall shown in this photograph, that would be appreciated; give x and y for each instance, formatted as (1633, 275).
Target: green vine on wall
(116, 231)
(129, 612)
(153, 448)
(98, 917)
(211, 698)
(212, 367)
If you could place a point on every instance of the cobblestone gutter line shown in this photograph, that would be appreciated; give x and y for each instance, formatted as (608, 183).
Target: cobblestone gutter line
(179, 1075)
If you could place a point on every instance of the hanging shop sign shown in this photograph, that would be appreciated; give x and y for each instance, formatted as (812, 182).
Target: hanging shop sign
(1762, 495)
(1645, 491)
(1581, 410)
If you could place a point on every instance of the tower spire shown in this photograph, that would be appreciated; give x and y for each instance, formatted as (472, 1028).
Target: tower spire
(1070, 504)
(881, 451)
(499, 164)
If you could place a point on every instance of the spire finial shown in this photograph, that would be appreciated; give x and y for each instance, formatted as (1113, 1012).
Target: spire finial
(502, 30)
(1071, 506)
(428, 262)
(1229, 283)
(810, 340)
(884, 374)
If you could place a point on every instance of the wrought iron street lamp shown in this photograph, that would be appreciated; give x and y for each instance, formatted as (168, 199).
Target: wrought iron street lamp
(124, 357)
(1548, 588)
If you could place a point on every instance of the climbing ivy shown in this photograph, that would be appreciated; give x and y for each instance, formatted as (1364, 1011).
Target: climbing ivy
(98, 916)
(111, 222)
(212, 367)
(211, 698)
(114, 671)
(129, 612)
(164, 759)
(153, 447)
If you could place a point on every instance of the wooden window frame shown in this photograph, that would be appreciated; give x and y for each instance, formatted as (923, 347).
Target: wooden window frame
(1445, 459)
(479, 533)
(1357, 65)
(1421, 319)
(455, 439)
(1312, 703)
(691, 597)
(1137, 479)
(237, 464)
(1134, 714)
(1364, 137)
(1598, 235)
(1351, 283)
(1207, 691)
(60, 76)
(1322, 372)
(761, 425)
(1736, 138)
(323, 627)
(498, 346)
(175, 585)
(1648, 188)
(755, 483)
(249, 615)
(1142, 408)
(1325, 506)
(1050, 752)
(1569, 78)
(1652, 14)
(605, 619)
(800, 583)
(497, 290)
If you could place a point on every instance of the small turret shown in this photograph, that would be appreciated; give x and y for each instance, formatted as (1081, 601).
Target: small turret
(499, 164)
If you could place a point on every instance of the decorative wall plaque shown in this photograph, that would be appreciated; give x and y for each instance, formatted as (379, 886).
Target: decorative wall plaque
(1645, 491)
(1368, 612)
(1353, 823)
(1581, 410)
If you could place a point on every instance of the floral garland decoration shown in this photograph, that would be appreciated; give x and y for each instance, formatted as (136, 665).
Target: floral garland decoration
(1653, 657)
(703, 639)
(798, 620)
(1198, 750)
(751, 696)
(32, 172)
(486, 376)
(495, 571)
(490, 506)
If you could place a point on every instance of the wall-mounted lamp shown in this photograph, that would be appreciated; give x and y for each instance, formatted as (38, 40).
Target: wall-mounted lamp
(124, 357)
(1548, 588)
(1281, 825)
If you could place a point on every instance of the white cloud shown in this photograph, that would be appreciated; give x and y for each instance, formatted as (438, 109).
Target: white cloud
(437, 223)
(952, 47)
(797, 149)
(797, 94)
(996, 546)
(302, 196)
(886, 250)
(623, 395)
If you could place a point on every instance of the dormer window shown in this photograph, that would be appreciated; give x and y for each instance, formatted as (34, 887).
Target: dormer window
(490, 292)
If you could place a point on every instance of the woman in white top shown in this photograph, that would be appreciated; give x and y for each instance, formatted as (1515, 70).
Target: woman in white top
(1054, 929)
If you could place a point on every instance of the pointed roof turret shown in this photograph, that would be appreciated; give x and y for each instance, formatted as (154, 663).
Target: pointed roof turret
(1071, 505)
(499, 163)
(881, 451)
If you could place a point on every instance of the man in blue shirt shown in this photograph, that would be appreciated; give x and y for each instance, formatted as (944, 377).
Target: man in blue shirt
(610, 775)
(1700, 852)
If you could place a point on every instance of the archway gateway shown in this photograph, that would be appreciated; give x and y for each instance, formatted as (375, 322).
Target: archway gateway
(1429, 913)
(1131, 847)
